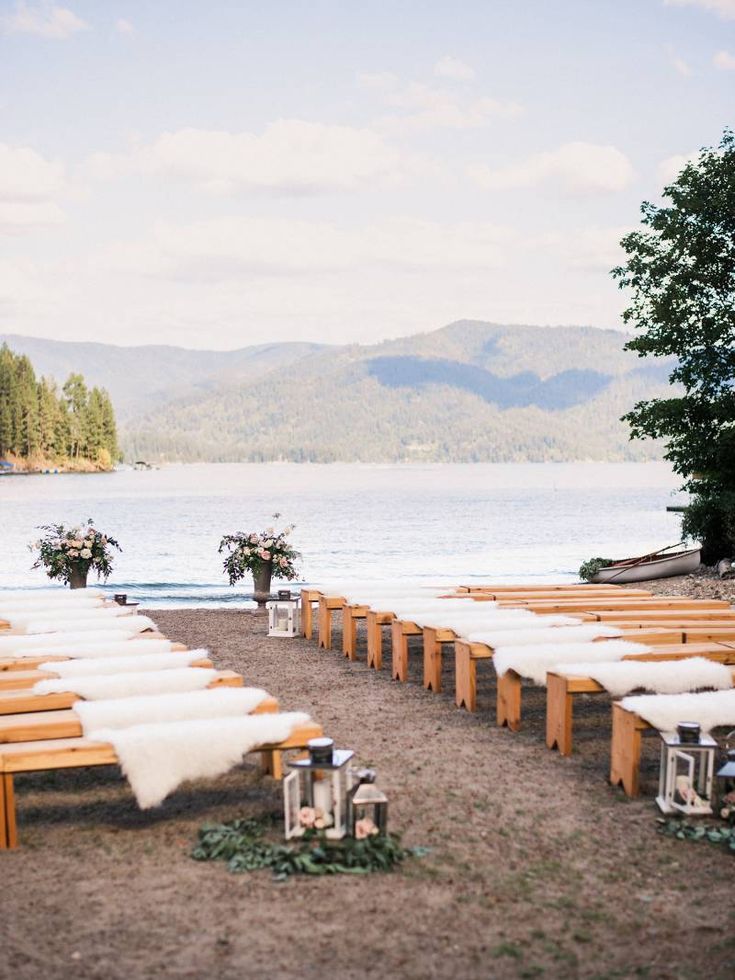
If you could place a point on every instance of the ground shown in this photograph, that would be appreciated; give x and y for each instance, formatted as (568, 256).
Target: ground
(537, 867)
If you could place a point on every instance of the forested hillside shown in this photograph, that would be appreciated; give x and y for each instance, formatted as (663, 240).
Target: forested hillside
(42, 426)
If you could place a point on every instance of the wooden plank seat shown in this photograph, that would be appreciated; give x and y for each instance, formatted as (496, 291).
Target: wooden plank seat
(23, 688)
(594, 605)
(562, 688)
(466, 654)
(35, 725)
(546, 587)
(509, 686)
(78, 753)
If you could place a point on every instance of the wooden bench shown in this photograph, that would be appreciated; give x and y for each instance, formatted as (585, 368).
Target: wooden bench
(16, 680)
(9, 662)
(562, 688)
(10, 695)
(308, 598)
(77, 753)
(644, 603)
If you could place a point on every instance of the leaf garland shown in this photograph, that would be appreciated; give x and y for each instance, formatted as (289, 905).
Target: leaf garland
(711, 834)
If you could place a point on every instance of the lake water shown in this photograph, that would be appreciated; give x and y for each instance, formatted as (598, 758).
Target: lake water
(438, 523)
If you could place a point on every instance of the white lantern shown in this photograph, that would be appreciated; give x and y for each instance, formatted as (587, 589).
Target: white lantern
(284, 617)
(315, 793)
(687, 767)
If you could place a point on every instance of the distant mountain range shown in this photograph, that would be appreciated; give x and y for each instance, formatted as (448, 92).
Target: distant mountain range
(469, 392)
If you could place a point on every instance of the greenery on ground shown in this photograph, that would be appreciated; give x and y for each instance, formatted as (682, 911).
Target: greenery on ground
(590, 568)
(705, 833)
(681, 272)
(42, 426)
(244, 846)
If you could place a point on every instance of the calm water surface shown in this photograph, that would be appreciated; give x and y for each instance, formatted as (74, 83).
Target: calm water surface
(438, 523)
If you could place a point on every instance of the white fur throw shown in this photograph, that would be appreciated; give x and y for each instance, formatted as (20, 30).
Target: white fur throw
(133, 624)
(122, 665)
(20, 618)
(660, 677)
(70, 596)
(109, 645)
(553, 634)
(714, 709)
(97, 687)
(158, 758)
(223, 702)
(25, 645)
(533, 662)
(501, 620)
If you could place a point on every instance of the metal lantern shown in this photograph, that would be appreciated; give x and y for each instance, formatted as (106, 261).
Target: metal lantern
(726, 782)
(687, 766)
(315, 793)
(284, 617)
(367, 805)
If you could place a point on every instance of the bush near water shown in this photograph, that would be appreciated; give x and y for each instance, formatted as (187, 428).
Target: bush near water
(41, 426)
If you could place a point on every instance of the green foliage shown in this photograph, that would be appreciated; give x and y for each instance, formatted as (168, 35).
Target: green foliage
(60, 549)
(249, 551)
(39, 423)
(700, 832)
(681, 272)
(244, 846)
(590, 568)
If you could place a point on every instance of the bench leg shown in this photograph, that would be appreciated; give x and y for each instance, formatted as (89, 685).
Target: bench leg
(349, 634)
(432, 661)
(8, 825)
(399, 643)
(374, 643)
(271, 764)
(465, 677)
(559, 709)
(625, 751)
(306, 617)
(509, 700)
(325, 626)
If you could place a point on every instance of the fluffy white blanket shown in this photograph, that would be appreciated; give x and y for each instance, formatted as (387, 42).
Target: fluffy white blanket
(97, 687)
(60, 595)
(387, 599)
(122, 665)
(533, 662)
(25, 645)
(501, 620)
(223, 702)
(132, 624)
(20, 618)
(158, 758)
(715, 709)
(50, 645)
(553, 634)
(660, 677)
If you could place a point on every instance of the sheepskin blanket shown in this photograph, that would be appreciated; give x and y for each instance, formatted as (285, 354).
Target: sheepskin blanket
(501, 620)
(20, 618)
(122, 665)
(223, 702)
(659, 677)
(133, 624)
(25, 645)
(715, 709)
(50, 645)
(533, 662)
(70, 596)
(553, 634)
(97, 687)
(157, 758)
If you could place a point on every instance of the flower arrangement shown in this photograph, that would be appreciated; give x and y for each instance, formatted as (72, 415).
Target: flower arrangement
(590, 568)
(252, 551)
(64, 552)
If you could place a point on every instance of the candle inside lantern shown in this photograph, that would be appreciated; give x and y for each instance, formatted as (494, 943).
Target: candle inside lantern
(323, 796)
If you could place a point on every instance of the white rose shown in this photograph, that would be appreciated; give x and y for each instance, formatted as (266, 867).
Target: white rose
(73, 553)
(85, 553)
(268, 543)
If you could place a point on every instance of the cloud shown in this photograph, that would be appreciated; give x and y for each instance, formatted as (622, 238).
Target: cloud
(574, 168)
(592, 249)
(449, 67)
(380, 81)
(723, 8)
(123, 26)
(426, 107)
(670, 168)
(290, 157)
(28, 185)
(678, 63)
(724, 61)
(44, 20)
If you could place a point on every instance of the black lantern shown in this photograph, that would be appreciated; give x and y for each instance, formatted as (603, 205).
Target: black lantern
(367, 806)
(315, 793)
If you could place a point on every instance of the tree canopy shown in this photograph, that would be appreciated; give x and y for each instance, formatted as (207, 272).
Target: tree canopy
(681, 271)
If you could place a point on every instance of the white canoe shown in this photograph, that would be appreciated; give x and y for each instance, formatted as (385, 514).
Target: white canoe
(643, 569)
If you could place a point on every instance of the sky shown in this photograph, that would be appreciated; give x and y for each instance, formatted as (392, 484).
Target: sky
(220, 174)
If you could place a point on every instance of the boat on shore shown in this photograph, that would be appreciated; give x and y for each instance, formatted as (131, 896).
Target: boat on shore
(626, 570)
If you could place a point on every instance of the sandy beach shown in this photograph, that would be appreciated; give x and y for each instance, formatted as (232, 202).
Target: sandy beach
(537, 867)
